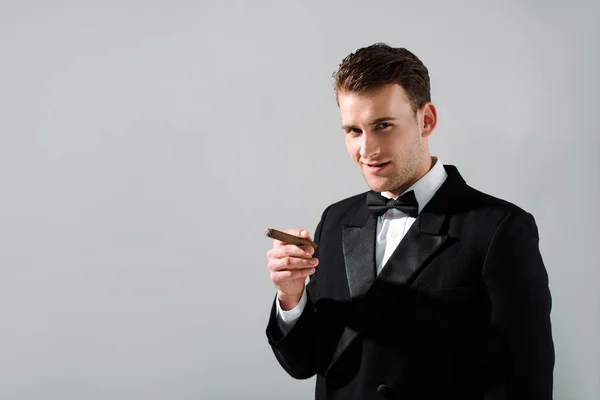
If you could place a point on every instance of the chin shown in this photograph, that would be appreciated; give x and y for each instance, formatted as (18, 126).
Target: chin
(378, 185)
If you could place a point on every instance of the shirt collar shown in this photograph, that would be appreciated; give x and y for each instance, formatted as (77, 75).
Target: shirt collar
(426, 187)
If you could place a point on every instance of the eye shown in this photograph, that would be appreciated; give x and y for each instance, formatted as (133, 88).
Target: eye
(353, 131)
(383, 125)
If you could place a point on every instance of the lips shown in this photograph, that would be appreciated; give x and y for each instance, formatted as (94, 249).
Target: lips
(376, 167)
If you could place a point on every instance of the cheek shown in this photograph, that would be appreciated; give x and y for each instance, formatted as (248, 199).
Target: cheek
(401, 142)
(353, 148)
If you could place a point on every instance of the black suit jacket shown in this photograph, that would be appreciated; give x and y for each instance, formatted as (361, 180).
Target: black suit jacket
(461, 310)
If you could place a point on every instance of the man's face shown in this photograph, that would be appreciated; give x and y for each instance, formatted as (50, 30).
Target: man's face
(385, 138)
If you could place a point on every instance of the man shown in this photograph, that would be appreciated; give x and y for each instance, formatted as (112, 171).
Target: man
(440, 294)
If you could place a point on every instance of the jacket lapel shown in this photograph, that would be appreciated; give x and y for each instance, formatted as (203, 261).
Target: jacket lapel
(424, 239)
(427, 234)
(413, 252)
(358, 241)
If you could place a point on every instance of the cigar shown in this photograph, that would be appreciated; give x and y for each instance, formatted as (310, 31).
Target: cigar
(289, 239)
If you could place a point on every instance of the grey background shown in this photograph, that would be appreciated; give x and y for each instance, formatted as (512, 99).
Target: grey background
(145, 146)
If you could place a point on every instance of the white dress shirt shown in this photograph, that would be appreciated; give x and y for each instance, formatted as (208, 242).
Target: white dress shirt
(391, 228)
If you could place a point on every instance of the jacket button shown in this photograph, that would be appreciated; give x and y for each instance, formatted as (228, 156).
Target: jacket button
(383, 390)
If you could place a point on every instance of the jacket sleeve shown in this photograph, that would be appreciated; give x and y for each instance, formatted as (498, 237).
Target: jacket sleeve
(295, 350)
(520, 344)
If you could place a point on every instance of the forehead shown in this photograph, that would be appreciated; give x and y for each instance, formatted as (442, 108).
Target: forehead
(389, 100)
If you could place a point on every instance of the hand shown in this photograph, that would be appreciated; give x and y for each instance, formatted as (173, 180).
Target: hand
(289, 265)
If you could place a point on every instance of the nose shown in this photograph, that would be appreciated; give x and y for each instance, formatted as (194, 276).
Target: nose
(369, 146)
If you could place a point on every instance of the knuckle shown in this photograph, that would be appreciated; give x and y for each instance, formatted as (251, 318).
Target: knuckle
(287, 249)
(276, 277)
(274, 253)
(301, 252)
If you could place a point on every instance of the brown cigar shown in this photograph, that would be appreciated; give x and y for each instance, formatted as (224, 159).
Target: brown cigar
(289, 239)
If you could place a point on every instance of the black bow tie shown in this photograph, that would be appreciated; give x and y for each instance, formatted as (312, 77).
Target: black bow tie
(407, 203)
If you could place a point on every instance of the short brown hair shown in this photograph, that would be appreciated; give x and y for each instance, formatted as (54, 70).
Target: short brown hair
(379, 64)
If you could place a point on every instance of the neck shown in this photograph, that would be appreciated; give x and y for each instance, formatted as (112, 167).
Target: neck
(426, 166)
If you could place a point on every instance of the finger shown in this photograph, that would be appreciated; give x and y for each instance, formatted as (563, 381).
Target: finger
(290, 250)
(279, 277)
(297, 232)
(291, 231)
(308, 250)
(292, 263)
(303, 233)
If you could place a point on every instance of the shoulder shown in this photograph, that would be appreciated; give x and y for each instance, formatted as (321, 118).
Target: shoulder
(488, 213)
(486, 203)
(349, 202)
(479, 219)
(345, 208)
(471, 205)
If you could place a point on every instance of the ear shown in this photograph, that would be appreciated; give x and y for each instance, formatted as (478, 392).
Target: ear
(429, 119)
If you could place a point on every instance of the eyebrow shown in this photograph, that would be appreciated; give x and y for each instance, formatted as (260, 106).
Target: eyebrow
(374, 122)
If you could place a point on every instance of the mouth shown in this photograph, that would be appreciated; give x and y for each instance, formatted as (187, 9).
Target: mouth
(376, 168)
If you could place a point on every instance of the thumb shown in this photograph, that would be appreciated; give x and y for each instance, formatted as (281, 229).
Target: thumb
(304, 233)
(298, 232)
